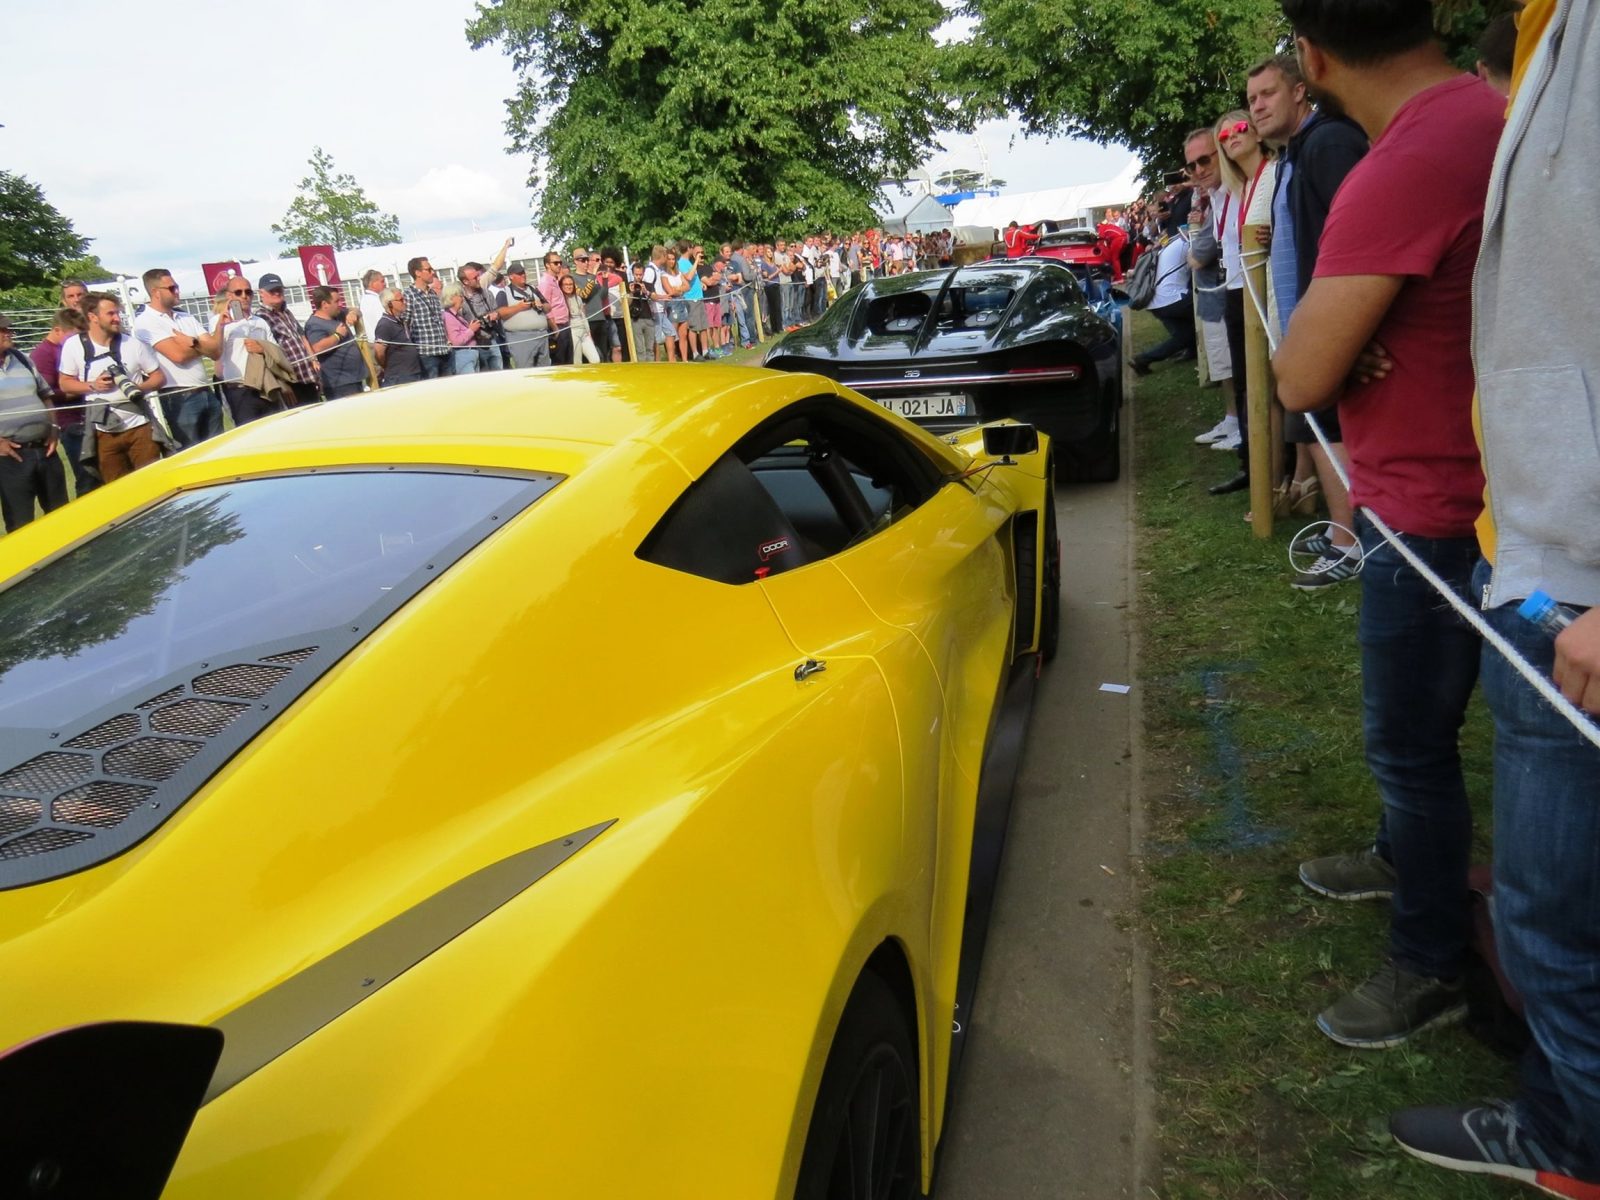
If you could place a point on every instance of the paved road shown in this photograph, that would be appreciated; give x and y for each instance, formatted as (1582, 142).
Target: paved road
(1054, 1097)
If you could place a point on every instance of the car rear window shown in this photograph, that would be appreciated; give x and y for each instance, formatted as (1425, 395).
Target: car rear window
(138, 662)
(210, 573)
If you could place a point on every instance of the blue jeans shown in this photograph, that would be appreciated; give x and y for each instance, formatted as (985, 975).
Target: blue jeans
(71, 444)
(1178, 320)
(1419, 663)
(489, 358)
(741, 309)
(465, 359)
(1547, 892)
(435, 365)
(195, 416)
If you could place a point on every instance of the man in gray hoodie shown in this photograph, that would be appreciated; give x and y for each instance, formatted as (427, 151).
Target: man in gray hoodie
(1538, 371)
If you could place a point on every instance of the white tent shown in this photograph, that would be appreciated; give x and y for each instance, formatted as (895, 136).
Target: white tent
(1052, 204)
(917, 214)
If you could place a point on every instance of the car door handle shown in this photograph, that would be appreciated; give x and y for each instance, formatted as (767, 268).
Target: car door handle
(811, 666)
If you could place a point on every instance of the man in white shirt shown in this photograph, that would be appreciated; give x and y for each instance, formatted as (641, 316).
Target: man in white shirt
(242, 334)
(123, 431)
(188, 400)
(373, 284)
(1172, 304)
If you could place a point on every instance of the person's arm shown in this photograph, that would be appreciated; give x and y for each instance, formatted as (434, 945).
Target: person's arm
(333, 339)
(499, 261)
(380, 351)
(178, 347)
(1330, 328)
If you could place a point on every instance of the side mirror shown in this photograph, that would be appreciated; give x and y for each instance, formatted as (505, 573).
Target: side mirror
(1005, 441)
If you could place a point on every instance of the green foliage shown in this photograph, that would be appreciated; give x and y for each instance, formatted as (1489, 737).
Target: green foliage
(1143, 72)
(332, 210)
(35, 239)
(666, 118)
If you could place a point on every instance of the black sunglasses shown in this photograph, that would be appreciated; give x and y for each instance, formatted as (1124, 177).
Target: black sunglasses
(1203, 161)
(246, 292)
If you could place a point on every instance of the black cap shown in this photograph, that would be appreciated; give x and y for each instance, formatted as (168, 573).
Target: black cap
(270, 283)
(517, 268)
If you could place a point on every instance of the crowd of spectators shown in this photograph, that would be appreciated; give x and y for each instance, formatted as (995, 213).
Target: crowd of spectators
(1375, 182)
(117, 398)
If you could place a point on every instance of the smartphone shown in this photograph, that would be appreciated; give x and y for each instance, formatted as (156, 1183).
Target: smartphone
(235, 310)
(1173, 178)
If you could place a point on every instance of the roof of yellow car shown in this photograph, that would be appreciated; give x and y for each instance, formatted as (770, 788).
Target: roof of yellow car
(594, 406)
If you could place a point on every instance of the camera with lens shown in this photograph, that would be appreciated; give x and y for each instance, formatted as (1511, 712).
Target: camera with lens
(121, 380)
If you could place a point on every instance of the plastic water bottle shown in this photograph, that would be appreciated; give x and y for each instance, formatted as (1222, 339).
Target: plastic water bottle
(1546, 613)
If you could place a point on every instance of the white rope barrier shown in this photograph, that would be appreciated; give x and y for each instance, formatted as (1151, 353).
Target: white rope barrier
(1541, 683)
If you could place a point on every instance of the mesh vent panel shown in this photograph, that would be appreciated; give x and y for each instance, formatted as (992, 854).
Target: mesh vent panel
(169, 694)
(291, 657)
(17, 813)
(41, 841)
(197, 718)
(248, 681)
(150, 758)
(105, 805)
(118, 728)
(48, 774)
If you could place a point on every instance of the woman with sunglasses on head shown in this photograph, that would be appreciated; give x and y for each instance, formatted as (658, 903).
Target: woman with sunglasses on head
(1247, 179)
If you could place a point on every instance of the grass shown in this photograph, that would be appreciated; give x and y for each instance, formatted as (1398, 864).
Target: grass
(1254, 762)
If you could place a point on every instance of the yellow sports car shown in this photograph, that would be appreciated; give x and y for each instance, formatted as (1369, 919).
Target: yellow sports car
(573, 784)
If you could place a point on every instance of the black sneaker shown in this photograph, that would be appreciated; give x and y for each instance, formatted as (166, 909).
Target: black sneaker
(1140, 368)
(1315, 544)
(1486, 1140)
(1335, 566)
(1390, 1007)
(1364, 875)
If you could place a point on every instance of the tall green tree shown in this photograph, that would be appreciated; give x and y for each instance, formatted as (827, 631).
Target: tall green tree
(648, 119)
(1143, 74)
(36, 241)
(332, 210)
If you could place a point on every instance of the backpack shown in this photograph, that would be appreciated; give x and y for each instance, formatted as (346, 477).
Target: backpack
(1143, 281)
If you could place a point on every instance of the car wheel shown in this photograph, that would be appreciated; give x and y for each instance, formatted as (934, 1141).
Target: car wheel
(865, 1137)
(1050, 590)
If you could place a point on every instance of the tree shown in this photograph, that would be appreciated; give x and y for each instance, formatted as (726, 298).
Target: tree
(35, 240)
(1143, 74)
(332, 210)
(642, 129)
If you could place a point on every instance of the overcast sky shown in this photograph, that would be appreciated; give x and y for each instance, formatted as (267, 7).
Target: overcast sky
(200, 135)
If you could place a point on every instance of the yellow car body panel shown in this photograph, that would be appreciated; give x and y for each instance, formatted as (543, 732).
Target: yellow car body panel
(651, 1018)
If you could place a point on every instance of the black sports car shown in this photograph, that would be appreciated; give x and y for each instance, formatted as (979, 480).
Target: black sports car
(996, 339)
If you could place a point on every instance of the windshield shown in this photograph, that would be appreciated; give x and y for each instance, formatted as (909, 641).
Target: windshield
(211, 572)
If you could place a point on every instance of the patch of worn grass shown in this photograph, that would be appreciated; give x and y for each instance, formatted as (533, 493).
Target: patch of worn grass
(1254, 762)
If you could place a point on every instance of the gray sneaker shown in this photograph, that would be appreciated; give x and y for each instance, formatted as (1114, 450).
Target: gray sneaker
(1316, 544)
(1390, 1007)
(1363, 875)
(1335, 566)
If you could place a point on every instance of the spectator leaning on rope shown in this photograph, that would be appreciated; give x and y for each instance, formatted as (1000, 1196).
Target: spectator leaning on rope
(1399, 273)
(121, 433)
(30, 468)
(1537, 367)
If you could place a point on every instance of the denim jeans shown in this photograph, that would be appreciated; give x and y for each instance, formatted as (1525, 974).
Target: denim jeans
(465, 359)
(741, 310)
(435, 365)
(1547, 892)
(1178, 320)
(195, 416)
(1419, 663)
(489, 358)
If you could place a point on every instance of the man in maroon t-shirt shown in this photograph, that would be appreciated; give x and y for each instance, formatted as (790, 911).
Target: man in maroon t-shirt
(1394, 273)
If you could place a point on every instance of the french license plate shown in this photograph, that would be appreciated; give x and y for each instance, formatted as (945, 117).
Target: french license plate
(940, 404)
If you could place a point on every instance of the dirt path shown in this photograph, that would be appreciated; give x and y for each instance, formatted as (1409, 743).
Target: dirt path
(1055, 1099)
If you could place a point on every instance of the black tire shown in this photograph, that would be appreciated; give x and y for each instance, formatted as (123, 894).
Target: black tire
(1050, 590)
(1096, 457)
(865, 1137)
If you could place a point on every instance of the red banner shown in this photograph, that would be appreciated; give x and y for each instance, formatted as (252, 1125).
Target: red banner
(322, 270)
(218, 274)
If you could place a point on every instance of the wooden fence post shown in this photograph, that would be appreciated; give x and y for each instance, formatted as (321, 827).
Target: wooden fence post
(1266, 438)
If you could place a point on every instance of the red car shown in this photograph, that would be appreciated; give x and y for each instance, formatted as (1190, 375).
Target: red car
(1088, 248)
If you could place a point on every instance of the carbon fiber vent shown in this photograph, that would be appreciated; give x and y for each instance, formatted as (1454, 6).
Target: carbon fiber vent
(67, 799)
